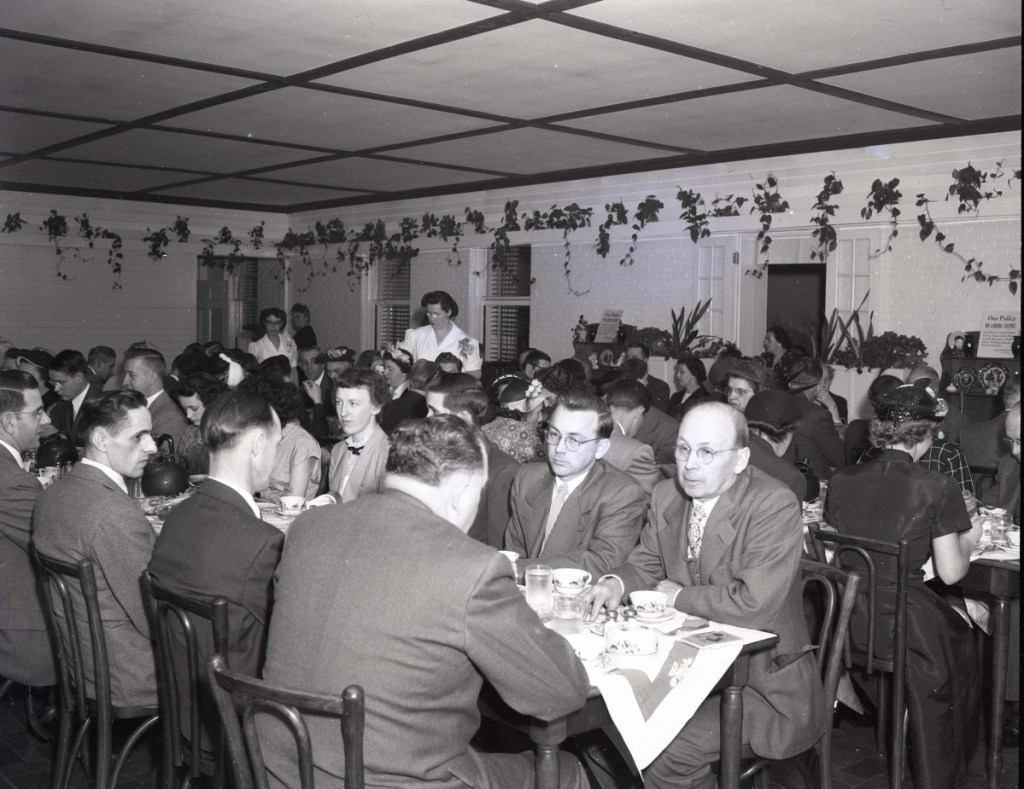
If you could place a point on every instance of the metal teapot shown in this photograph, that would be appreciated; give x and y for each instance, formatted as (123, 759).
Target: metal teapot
(55, 450)
(167, 474)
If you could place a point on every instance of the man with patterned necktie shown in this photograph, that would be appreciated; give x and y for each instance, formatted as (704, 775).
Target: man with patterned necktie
(575, 510)
(724, 541)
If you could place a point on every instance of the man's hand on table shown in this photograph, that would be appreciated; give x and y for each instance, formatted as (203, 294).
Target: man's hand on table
(606, 593)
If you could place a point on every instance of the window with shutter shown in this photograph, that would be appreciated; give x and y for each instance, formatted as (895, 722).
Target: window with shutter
(507, 307)
(391, 294)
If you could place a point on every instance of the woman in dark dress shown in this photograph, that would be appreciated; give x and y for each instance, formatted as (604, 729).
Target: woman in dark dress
(689, 377)
(890, 498)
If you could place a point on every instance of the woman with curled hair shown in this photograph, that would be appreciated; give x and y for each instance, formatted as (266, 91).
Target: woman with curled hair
(892, 497)
(275, 339)
(442, 334)
(296, 469)
(689, 377)
(194, 394)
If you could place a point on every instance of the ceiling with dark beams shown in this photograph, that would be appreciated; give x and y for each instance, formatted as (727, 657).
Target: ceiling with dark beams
(319, 103)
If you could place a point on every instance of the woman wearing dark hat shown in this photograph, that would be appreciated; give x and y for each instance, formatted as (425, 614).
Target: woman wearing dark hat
(274, 341)
(816, 439)
(514, 428)
(441, 334)
(891, 498)
(404, 403)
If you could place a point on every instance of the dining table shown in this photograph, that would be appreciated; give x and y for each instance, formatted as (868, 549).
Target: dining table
(548, 736)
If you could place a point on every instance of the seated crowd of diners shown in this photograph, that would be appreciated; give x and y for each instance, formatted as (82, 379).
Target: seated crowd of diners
(434, 462)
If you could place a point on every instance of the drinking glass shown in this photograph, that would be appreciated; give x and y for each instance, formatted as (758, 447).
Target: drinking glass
(538, 589)
(568, 606)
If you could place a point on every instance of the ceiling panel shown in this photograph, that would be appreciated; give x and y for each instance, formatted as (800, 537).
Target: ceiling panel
(21, 133)
(86, 176)
(63, 80)
(239, 190)
(528, 151)
(313, 117)
(766, 116)
(964, 87)
(271, 37)
(362, 173)
(535, 69)
(185, 151)
(796, 35)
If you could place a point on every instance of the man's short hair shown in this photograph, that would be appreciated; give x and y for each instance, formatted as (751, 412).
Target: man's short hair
(104, 352)
(423, 373)
(635, 368)
(431, 449)
(370, 380)
(154, 360)
(462, 392)
(535, 357)
(302, 309)
(447, 357)
(627, 393)
(578, 400)
(69, 362)
(109, 411)
(644, 350)
(231, 415)
(13, 385)
(276, 367)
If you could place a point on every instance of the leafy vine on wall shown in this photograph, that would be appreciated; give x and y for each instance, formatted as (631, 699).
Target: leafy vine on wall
(357, 250)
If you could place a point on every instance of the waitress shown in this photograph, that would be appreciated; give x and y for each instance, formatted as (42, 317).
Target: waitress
(274, 342)
(441, 334)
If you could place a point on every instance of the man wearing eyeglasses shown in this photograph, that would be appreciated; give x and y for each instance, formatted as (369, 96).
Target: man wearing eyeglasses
(575, 510)
(724, 541)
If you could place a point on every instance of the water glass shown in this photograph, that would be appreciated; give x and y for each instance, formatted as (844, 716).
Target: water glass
(568, 606)
(538, 589)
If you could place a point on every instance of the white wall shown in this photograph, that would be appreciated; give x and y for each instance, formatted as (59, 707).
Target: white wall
(915, 288)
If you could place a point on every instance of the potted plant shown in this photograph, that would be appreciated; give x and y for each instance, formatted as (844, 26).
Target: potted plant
(890, 350)
(656, 340)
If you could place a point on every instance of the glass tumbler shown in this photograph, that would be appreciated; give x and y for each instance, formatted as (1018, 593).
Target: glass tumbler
(538, 589)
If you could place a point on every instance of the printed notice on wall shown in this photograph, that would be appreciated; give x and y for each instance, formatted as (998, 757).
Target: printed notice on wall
(998, 329)
(608, 328)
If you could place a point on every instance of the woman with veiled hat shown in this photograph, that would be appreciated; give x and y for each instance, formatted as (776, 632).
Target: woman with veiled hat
(890, 498)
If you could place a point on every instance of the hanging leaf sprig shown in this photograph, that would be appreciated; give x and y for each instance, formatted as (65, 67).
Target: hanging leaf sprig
(696, 219)
(824, 233)
(646, 213)
(884, 196)
(767, 201)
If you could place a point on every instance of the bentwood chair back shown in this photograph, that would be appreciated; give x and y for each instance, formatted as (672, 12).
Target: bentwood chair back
(69, 598)
(878, 596)
(183, 690)
(241, 698)
(833, 593)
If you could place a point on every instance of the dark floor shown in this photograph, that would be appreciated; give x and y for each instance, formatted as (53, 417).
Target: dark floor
(25, 761)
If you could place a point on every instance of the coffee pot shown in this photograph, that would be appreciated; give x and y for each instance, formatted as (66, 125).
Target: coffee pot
(166, 474)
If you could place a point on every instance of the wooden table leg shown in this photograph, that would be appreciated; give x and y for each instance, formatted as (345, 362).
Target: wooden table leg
(547, 739)
(731, 721)
(1000, 657)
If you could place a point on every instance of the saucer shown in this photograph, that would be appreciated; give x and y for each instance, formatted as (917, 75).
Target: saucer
(287, 513)
(664, 616)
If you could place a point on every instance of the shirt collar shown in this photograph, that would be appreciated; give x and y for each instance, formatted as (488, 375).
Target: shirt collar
(116, 478)
(12, 450)
(77, 400)
(152, 397)
(709, 504)
(574, 482)
(243, 493)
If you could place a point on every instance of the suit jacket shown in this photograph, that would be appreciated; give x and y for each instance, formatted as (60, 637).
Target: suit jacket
(659, 392)
(634, 458)
(658, 430)
(86, 516)
(167, 418)
(368, 474)
(409, 405)
(816, 439)
(495, 502)
(419, 617)
(63, 418)
(748, 575)
(596, 529)
(982, 442)
(762, 456)
(211, 545)
(20, 607)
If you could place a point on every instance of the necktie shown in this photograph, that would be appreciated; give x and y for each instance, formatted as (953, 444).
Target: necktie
(695, 532)
(556, 508)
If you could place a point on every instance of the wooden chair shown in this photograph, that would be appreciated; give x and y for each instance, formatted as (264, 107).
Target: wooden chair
(243, 697)
(827, 585)
(182, 680)
(78, 712)
(863, 554)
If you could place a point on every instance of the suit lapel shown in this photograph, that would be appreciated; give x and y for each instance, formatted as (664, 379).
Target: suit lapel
(719, 531)
(538, 498)
(575, 513)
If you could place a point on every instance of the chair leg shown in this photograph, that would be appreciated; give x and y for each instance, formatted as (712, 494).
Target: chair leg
(824, 751)
(63, 756)
(881, 708)
(5, 687)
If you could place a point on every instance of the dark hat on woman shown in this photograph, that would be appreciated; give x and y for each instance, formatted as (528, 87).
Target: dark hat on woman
(753, 369)
(773, 407)
(400, 357)
(909, 403)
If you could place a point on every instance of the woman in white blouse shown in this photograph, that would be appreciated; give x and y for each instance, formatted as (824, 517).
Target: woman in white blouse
(274, 342)
(441, 334)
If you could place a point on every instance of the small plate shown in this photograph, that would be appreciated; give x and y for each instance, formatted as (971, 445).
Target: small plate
(993, 375)
(196, 479)
(287, 513)
(965, 378)
(653, 619)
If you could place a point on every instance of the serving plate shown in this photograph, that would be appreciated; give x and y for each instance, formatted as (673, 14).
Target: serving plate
(965, 378)
(993, 375)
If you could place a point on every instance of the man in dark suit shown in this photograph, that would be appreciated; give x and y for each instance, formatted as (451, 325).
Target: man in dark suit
(575, 510)
(69, 378)
(25, 654)
(89, 515)
(772, 418)
(659, 390)
(386, 592)
(317, 392)
(404, 402)
(630, 403)
(724, 542)
(462, 394)
(983, 442)
(144, 371)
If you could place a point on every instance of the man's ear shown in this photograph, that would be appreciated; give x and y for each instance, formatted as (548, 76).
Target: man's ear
(602, 448)
(259, 440)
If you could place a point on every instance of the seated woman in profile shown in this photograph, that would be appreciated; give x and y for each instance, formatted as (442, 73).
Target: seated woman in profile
(297, 468)
(194, 394)
(889, 498)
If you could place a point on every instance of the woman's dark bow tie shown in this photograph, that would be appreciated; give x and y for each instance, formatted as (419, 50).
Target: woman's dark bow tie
(356, 450)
